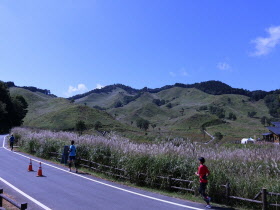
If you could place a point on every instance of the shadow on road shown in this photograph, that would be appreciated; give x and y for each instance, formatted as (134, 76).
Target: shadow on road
(222, 208)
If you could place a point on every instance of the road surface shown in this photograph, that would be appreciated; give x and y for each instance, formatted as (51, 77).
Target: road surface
(60, 189)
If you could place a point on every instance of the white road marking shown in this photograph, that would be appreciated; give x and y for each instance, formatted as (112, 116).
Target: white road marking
(4, 141)
(108, 185)
(24, 194)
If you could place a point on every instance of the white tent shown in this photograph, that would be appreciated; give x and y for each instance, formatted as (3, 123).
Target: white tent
(248, 141)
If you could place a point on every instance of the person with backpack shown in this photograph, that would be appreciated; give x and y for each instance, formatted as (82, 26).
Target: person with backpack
(203, 174)
(72, 156)
(12, 140)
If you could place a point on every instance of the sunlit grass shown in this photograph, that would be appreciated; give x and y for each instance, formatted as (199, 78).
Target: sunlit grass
(247, 168)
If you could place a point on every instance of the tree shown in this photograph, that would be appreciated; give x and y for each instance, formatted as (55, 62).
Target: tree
(157, 102)
(169, 105)
(97, 125)
(143, 124)
(146, 125)
(162, 102)
(263, 120)
(80, 127)
(153, 126)
(118, 104)
(23, 101)
(220, 112)
(139, 123)
(221, 115)
(19, 110)
(12, 110)
(268, 121)
(202, 129)
(232, 116)
(203, 108)
(252, 114)
(218, 135)
(182, 111)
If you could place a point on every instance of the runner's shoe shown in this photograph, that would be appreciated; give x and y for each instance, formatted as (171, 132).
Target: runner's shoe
(208, 206)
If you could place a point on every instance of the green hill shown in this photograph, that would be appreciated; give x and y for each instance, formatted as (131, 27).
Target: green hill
(178, 110)
(104, 99)
(183, 116)
(59, 114)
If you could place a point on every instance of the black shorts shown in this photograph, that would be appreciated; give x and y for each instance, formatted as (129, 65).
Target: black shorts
(72, 158)
(202, 188)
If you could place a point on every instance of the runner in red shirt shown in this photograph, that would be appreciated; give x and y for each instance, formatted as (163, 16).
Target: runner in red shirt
(203, 173)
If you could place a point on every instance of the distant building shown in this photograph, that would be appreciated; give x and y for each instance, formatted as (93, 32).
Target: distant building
(247, 141)
(274, 133)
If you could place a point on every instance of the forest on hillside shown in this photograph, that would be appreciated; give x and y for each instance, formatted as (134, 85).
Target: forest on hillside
(12, 109)
(31, 88)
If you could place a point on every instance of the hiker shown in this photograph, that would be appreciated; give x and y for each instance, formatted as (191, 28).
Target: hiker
(72, 156)
(12, 140)
(203, 173)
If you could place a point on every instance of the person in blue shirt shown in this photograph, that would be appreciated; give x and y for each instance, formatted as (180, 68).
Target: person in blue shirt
(12, 140)
(72, 156)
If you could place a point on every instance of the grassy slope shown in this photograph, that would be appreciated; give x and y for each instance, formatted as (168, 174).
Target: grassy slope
(58, 113)
(105, 100)
(188, 124)
(243, 126)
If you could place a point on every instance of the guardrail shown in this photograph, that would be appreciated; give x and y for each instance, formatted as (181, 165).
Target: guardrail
(262, 193)
(22, 206)
(169, 182)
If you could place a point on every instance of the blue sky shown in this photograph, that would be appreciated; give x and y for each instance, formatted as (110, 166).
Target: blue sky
(71, 47)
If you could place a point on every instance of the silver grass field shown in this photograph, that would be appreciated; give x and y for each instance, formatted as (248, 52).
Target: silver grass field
(248, 168)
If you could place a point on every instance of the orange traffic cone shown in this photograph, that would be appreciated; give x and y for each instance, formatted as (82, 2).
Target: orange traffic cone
(30, 166)
(40, 173)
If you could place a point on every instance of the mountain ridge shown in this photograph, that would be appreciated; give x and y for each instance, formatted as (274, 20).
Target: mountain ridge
(177, 110)
(211, 87)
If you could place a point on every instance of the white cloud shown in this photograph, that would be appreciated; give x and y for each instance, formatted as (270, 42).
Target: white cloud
(223, 66)
(81, 88)
(172, 74)
(264, 45)
(98, 86)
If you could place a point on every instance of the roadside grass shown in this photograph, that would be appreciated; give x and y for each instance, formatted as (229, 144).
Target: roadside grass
(248, 169)
(174, 194)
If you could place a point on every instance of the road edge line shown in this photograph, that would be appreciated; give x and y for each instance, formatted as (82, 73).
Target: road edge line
(109, 185)
(25, 195)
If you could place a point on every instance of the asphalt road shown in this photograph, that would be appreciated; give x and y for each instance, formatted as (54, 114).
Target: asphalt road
(60, 189)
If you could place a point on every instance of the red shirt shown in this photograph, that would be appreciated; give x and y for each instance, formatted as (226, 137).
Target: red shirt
(202, 171)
